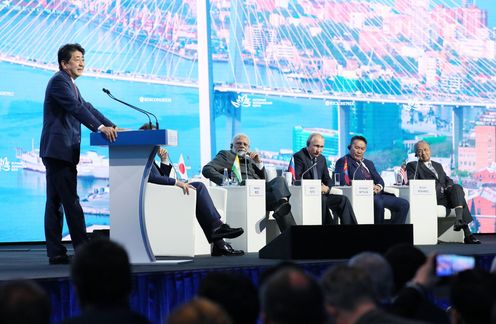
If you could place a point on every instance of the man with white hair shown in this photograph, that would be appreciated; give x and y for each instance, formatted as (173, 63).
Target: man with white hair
(448, 193)
(251, 167)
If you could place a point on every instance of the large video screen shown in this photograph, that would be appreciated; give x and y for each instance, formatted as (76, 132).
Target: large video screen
(403, 70)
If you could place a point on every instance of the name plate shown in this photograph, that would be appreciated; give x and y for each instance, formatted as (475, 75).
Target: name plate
(420, 189)
(256, 190)
(312, 191)
(363, 190)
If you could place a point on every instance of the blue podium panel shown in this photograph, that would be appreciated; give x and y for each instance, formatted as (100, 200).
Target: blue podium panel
(137, 137)
(131, 157)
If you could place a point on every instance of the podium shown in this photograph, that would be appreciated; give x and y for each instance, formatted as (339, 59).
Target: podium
(246, 209)
(423, 210)
(361, 196)
(306, 206)
(131, 158)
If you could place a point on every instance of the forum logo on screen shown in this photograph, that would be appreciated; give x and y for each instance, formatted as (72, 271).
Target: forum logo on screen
(242, 101)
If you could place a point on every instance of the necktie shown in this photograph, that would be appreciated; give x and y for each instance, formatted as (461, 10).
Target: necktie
(314, 169)
(431, 167)
(365, 172)
(75, 90)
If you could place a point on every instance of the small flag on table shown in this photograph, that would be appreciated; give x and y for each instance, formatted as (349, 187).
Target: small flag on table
(236, 169)
(181, 168)
(291, 168)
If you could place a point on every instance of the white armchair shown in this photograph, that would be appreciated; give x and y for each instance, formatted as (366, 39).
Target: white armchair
(170, 220)
(445, 225)
(219, 198)
(395, 192)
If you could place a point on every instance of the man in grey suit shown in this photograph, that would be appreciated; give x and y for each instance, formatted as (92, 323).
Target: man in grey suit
(63, 112)
(277, 192)
(448, 193)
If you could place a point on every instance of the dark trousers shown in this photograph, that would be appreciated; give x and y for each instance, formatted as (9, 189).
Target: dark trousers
(61, 184)
(275, 190)
(398, 206)
(454, 196)
(340, 206)
(206, 214)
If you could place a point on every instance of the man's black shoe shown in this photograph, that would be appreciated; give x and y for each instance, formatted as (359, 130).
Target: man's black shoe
(282, 209)
(225, 231)
(223, 248)
(60, 259)
(471, 239)
(459, 225)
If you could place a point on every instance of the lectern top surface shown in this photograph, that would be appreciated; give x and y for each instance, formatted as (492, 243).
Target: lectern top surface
(138, 137)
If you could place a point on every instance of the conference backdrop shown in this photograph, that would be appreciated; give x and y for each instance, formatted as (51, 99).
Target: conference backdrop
(402, 70)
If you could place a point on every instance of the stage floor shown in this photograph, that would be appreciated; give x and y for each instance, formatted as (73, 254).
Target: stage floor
(30, 261)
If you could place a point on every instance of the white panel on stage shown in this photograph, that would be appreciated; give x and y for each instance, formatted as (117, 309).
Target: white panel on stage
(246, 209)
(361, 196)
(423, 210)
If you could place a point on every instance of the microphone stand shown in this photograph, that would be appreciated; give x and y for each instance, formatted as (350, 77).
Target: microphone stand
(147, 113)
(305, 172)
(247, 160)
(359, 166)
(416, 167)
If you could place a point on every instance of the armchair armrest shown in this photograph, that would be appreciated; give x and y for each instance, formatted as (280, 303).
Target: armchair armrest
(392, 190)
(336, 191)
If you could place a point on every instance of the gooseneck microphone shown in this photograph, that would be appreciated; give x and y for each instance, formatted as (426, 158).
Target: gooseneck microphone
(416, 168)
(246, 156)
(306, 171)
(359, 166)
(147, 113)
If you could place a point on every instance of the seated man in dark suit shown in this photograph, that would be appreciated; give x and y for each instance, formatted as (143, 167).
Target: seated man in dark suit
(207, 215)
(311, 164)
(277, 191)
(448, 194)
(359, 168)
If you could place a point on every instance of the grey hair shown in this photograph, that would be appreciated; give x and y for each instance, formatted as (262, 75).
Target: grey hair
(238, 135)
(415, 147)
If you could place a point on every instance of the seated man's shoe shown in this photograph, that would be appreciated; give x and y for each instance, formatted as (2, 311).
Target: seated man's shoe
(282, 209)
(471, 239)
(60, 259)
(459, 225)
(221, 248)
(225, 231)
(282, 215)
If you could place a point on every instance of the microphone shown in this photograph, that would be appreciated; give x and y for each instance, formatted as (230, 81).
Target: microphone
(246, 156)
(306, 171)
(359, 166)
(147, 113)
(416, 167)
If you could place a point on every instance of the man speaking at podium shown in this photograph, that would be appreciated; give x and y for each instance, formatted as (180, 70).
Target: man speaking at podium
(63, 112)
(251, 167)
(311, 164)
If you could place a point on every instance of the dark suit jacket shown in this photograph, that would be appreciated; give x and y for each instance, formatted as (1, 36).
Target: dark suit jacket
(214, 170)
(353, 166)
(303, 162)
(63, 112)
(423, 173)
(160, 175)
